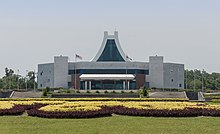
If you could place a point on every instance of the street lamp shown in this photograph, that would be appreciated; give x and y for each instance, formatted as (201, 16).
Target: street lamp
(18, 79)
(194, 81)
(26, 79)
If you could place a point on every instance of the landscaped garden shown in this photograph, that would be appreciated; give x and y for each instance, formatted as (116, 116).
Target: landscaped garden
(99, 107)
(130, 115)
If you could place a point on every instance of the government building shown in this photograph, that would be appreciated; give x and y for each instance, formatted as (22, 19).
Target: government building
(110, 69)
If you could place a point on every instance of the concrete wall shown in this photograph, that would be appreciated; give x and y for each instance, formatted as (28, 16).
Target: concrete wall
(156, 71)
(173, 76)
(45, 75)
(61, 71)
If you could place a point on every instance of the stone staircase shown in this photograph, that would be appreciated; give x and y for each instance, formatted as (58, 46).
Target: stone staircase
(29, 94)
(168, 95)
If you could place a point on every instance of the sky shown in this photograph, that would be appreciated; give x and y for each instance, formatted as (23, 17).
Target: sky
(183, 31)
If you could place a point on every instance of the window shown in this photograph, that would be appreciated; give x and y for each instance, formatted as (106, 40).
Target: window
(180, 85)
(110, 52)
(109, 71)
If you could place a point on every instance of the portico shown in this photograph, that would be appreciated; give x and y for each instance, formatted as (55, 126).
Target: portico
(107, 81)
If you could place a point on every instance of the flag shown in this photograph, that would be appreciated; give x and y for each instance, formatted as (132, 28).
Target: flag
(128, 57)
(78, 56)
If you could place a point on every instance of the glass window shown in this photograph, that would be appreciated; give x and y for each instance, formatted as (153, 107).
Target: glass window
(108, 84)
(109, 71)
(132, 84)
(110, 52)
(82, 84)
(119, 85)
(96, 85)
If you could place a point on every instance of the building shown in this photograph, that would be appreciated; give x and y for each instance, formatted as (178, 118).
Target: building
(110, 69)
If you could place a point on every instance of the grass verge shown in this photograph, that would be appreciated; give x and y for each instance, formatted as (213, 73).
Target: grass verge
(112, 125)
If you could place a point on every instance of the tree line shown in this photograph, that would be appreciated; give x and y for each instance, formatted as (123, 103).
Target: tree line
(201, 80)
(15, 81)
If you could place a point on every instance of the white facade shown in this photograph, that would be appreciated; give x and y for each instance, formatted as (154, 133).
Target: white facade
(154, 73)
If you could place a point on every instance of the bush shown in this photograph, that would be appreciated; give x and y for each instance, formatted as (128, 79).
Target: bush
(131, 92)
(47, 89)
(113, 92)
(97, 92)
(145, 93)
(45, 92)
(88, 91)
(105, 91)
(77, 91)
(122, 91)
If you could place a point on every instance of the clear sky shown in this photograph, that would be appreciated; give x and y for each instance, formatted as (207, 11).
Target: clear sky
(183, 31)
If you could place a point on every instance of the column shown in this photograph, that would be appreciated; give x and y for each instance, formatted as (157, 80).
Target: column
(128, 85)
(124, 85)
(85, 85)
(90, 85)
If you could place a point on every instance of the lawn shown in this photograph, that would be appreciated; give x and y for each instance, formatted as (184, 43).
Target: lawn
(115, 124)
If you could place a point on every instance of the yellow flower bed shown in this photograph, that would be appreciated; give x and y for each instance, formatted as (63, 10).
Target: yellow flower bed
(96, 105)
(5, 105)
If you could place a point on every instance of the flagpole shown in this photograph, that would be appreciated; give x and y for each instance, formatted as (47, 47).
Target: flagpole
(126, 84)
(75, 73)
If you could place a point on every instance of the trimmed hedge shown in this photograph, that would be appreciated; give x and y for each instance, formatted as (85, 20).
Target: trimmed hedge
(187, 112)
(94, 99)
(16, 110)
(104, 112)
(19, 109)
(120, 110)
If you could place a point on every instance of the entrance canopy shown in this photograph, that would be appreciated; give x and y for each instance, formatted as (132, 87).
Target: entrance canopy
(107, 77)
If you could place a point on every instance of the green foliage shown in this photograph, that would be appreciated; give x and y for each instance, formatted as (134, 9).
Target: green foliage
(88, 91)
(68, 91)
(145, 93)
(15, 81)
(209, 81)
(45, 92)
(131, 92)
(113, 92)
(122, 91)
(105, 91)
(97, 92)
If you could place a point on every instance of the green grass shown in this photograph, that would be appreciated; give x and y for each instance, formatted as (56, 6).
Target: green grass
(115, 124)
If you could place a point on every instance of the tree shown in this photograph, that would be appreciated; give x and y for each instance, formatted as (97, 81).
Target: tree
(14, 81)
(209, 81)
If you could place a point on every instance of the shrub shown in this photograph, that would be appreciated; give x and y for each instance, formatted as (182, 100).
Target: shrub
(88, 91)
(113, 92)
(131, 92)
(122, 91)
(97, 92)
(47, 89)
(145, 94)
(45, 92)
(105, 91)
(77, 91)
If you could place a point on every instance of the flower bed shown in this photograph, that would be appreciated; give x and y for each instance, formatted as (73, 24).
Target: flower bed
(91, 109)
